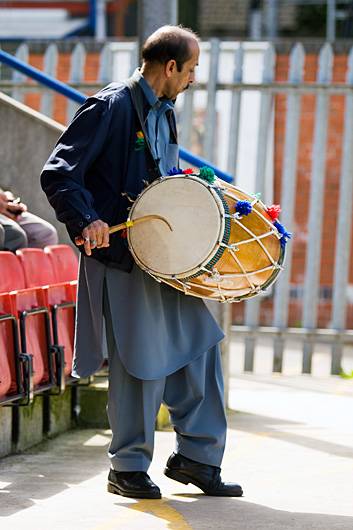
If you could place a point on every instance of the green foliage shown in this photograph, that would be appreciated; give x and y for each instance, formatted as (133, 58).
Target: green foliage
(346, 375)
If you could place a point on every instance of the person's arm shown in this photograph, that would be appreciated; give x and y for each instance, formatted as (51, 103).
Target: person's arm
(63, 176)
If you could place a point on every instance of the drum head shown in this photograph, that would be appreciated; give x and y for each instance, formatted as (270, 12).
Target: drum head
(196, 215)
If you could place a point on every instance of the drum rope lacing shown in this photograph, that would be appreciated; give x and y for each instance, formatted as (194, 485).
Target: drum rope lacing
(215, 275)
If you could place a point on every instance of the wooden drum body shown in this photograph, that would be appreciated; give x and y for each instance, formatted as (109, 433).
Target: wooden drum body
(212, 251)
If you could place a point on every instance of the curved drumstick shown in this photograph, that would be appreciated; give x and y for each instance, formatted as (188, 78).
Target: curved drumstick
(129, 224)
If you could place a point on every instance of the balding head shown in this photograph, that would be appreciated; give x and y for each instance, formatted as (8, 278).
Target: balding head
(167, 43)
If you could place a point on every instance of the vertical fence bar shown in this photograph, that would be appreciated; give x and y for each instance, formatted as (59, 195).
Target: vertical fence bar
(211, 114)
(186, 118)
(313, 255)
(235, 111)
(134, 57)
(344, 226)
(77, 66)
(252, 307)
(289, 178)
(17, 77)
(49, 68)
(105, 65)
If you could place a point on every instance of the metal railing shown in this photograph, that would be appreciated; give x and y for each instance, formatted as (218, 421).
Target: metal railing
(218, 111)
(78, 97)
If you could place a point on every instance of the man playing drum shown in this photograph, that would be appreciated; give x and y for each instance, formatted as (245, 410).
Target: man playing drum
(162, 345)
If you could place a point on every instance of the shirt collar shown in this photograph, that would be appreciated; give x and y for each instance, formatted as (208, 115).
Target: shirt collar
(151, 97)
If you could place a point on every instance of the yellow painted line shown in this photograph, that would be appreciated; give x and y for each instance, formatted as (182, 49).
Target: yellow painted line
(162, 510)
(157, 508)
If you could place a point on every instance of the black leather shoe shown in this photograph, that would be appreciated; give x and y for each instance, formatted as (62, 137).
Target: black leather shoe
(132, 484)
(207, 478)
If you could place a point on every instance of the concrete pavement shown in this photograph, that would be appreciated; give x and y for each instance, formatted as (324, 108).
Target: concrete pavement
(290, 444)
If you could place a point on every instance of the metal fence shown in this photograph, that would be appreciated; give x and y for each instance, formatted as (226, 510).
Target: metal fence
(228, 118)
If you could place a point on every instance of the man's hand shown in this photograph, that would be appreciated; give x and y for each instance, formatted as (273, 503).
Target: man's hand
(3, 202)
(95, 235)
(10, 206)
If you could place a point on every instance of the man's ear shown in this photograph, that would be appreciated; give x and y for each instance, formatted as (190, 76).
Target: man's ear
(170, 68)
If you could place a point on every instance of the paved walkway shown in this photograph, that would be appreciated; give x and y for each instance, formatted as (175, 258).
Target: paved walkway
(290, 444)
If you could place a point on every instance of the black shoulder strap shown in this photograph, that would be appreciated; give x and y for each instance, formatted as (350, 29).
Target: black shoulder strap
(137, 100)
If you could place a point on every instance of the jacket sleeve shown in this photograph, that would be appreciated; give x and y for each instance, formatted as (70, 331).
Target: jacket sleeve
(63, 176)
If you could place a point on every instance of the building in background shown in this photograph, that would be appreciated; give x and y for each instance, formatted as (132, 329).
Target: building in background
(227, 19)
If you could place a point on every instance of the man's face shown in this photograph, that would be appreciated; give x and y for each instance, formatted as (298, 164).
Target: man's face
(179, 81)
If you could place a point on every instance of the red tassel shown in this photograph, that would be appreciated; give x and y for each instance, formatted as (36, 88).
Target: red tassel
(123, 233)
(188, 171)
(274, 211)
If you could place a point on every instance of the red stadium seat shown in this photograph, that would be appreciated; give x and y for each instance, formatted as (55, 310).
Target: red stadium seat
(11, 273)
(29, 306)
(37, 267)
(61, 300)
(64, 262)
(16, 371)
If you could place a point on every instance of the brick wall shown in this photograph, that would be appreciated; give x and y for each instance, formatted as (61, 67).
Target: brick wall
(331, 191)
(231, 17)
(225, 16)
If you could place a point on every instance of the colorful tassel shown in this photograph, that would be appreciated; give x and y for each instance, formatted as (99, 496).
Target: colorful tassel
(243, 207)
(274, 211)
(175, 171)
(207, 173)
(188, 171)
(285, 235)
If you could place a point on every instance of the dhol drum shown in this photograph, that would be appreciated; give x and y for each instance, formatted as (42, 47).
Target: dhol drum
(224, 244)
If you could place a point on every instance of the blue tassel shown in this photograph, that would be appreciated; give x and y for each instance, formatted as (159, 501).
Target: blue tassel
(285, 235)
(174, 171)
(243, 207)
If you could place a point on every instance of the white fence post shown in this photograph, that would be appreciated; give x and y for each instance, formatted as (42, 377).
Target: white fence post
(252, 307)
(313, 254)
(50, 66)
(289, 180)
(344, 227)
(17, 77)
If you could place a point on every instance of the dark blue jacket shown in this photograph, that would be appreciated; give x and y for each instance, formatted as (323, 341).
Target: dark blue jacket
(97, 160)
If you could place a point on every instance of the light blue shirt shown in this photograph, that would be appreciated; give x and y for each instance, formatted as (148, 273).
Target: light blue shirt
(166, 153)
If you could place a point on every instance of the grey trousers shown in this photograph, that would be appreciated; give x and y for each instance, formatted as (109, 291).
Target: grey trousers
(29, 231)
(193, 395)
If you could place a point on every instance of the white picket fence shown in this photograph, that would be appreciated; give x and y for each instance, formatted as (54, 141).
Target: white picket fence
(228, 117)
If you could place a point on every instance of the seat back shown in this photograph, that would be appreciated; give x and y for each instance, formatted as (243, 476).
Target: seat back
(8, 352)
(37, 267)
(61, 300)
(64, 262)
(34, 332)
(11, 273)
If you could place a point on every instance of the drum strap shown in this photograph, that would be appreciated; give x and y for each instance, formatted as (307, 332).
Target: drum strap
(137, 100)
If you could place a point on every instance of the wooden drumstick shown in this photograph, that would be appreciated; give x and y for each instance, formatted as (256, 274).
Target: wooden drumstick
(129, 224)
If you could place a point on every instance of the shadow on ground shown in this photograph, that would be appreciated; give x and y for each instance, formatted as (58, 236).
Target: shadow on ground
(205, 513)
(42, 476)
(272, 427)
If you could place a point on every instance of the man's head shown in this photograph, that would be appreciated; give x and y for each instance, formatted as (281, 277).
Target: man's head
(170, 56)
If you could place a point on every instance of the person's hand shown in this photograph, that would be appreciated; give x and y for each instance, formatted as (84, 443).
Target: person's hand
(95, 235)
(10, 206)
(3, 202)
(14, 210)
